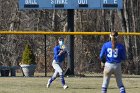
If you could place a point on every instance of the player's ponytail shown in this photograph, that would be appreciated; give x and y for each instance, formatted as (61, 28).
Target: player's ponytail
(113, 38)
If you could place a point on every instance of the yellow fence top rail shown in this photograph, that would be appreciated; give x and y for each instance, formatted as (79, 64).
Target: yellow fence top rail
(63, 33)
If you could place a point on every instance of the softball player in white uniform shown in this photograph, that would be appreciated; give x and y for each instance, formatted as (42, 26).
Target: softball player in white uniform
(114, 53)
(59, 56)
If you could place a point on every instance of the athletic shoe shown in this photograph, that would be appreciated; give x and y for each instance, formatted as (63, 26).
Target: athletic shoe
(65, 86)
(48, 84)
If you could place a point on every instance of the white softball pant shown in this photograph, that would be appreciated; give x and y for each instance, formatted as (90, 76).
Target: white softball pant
(58, 68)
(114, 68)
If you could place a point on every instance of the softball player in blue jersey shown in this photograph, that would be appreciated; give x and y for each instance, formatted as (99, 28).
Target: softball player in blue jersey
(59, 56)
(114, 53)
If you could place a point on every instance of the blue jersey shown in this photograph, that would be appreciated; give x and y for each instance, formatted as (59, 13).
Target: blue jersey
(113, 55)
(58, 58)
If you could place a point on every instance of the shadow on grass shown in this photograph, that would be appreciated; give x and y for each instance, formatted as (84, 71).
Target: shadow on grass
(78, 87)
(83, 88)
(129, 76)
(126, 88)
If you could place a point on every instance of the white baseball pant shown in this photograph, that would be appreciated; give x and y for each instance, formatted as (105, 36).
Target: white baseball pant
(112, 68)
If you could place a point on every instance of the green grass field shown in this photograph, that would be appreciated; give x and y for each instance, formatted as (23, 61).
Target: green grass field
(76, 85)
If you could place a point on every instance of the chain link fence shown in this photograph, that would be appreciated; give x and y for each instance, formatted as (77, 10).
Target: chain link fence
(86, 53)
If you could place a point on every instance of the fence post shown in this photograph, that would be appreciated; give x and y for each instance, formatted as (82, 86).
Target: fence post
(45, 55)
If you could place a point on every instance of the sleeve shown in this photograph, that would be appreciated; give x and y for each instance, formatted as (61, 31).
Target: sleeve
(56, 52)
(102, 54)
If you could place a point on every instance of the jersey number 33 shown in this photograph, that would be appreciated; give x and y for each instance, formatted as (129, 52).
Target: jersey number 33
(112, 52)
